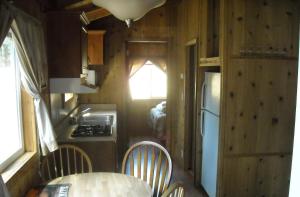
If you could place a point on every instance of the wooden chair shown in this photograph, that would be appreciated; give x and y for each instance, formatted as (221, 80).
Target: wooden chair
(150, 162)
(66, 160)
(175, 190)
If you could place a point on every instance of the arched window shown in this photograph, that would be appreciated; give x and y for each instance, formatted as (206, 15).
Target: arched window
(148, 82)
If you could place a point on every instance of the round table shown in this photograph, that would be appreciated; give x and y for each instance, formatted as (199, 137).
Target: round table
(104, 184)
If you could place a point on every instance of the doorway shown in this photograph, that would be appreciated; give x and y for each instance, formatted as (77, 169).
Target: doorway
(147, 91)
(190, 106)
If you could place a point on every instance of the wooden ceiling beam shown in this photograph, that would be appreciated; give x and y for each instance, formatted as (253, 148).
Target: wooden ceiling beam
(97, 14)
(79, 4)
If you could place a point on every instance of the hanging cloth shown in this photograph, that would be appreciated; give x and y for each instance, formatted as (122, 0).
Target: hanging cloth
(29, 39)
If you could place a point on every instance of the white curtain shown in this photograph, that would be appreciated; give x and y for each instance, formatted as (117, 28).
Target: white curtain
(3, 189)
(29, 40)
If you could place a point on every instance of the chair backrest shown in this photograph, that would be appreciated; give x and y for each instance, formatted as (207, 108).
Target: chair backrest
(66, 160)
(150, 162)
(175, 190)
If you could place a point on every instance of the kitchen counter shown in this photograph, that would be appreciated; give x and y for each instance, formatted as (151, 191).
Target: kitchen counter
(65, 129)
(101, 150)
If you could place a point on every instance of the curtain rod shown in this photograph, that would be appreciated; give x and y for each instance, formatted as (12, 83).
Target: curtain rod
(15, 11)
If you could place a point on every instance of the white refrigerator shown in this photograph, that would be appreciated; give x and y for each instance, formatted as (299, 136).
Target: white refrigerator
(209, 128)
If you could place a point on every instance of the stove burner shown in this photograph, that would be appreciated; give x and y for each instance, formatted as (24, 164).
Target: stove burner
(92, 131)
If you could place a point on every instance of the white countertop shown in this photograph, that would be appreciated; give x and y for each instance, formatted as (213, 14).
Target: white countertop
(65, 129)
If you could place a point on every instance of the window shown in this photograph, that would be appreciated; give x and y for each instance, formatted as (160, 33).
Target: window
(68, 96)
(11, 134)
(148, 82)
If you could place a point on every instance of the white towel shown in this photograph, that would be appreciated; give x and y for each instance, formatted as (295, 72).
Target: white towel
(3, 188)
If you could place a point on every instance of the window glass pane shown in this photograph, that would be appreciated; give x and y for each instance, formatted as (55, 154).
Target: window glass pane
(148, 82)
(158, 83)
(10, 133)
(68, 96)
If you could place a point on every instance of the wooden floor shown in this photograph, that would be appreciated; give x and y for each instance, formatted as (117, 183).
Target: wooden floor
(186, 179)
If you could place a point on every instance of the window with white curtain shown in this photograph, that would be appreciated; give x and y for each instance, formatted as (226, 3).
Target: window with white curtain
(11, 132)
(148, 82)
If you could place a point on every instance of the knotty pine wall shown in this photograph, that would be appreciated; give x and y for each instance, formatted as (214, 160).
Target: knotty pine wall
(259, 97)
(187, 28)
(156, 25)
(259, 90)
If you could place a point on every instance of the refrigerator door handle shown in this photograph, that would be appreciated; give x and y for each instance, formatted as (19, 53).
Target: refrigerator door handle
(201, 124)
(202, 95)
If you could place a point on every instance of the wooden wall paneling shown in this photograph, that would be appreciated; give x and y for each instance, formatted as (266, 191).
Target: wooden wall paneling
(257, 176)
(261, 106)
(17, 186)
(172, 80)
(192, 19)
(265, 126)
(150, 49)
(266, 28)
(153, 26)
(178, 137)
(216, 28)
(212, 28)
(209, 28)
(203, 31)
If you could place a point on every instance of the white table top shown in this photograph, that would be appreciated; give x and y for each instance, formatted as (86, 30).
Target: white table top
(104, 184)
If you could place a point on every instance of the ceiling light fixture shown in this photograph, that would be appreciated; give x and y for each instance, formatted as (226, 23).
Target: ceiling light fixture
(129, 10)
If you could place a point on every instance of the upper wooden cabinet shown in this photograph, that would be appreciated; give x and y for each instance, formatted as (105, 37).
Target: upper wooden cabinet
(67, 46)
(95, 47)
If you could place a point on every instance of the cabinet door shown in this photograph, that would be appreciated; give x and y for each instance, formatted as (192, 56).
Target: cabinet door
(64, 44)
(95, 47)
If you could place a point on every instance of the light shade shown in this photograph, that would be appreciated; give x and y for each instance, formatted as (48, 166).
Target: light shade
(129, 10)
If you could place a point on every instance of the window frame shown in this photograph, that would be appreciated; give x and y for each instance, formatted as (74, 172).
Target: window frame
(17, 154)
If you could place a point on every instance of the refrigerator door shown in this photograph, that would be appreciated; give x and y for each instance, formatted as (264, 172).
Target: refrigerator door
(211, 90)
(210, 126)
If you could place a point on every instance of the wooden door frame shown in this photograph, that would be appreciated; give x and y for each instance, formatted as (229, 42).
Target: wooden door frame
(187, 93)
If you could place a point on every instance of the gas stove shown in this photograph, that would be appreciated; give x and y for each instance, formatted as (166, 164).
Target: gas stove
(92, 131)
